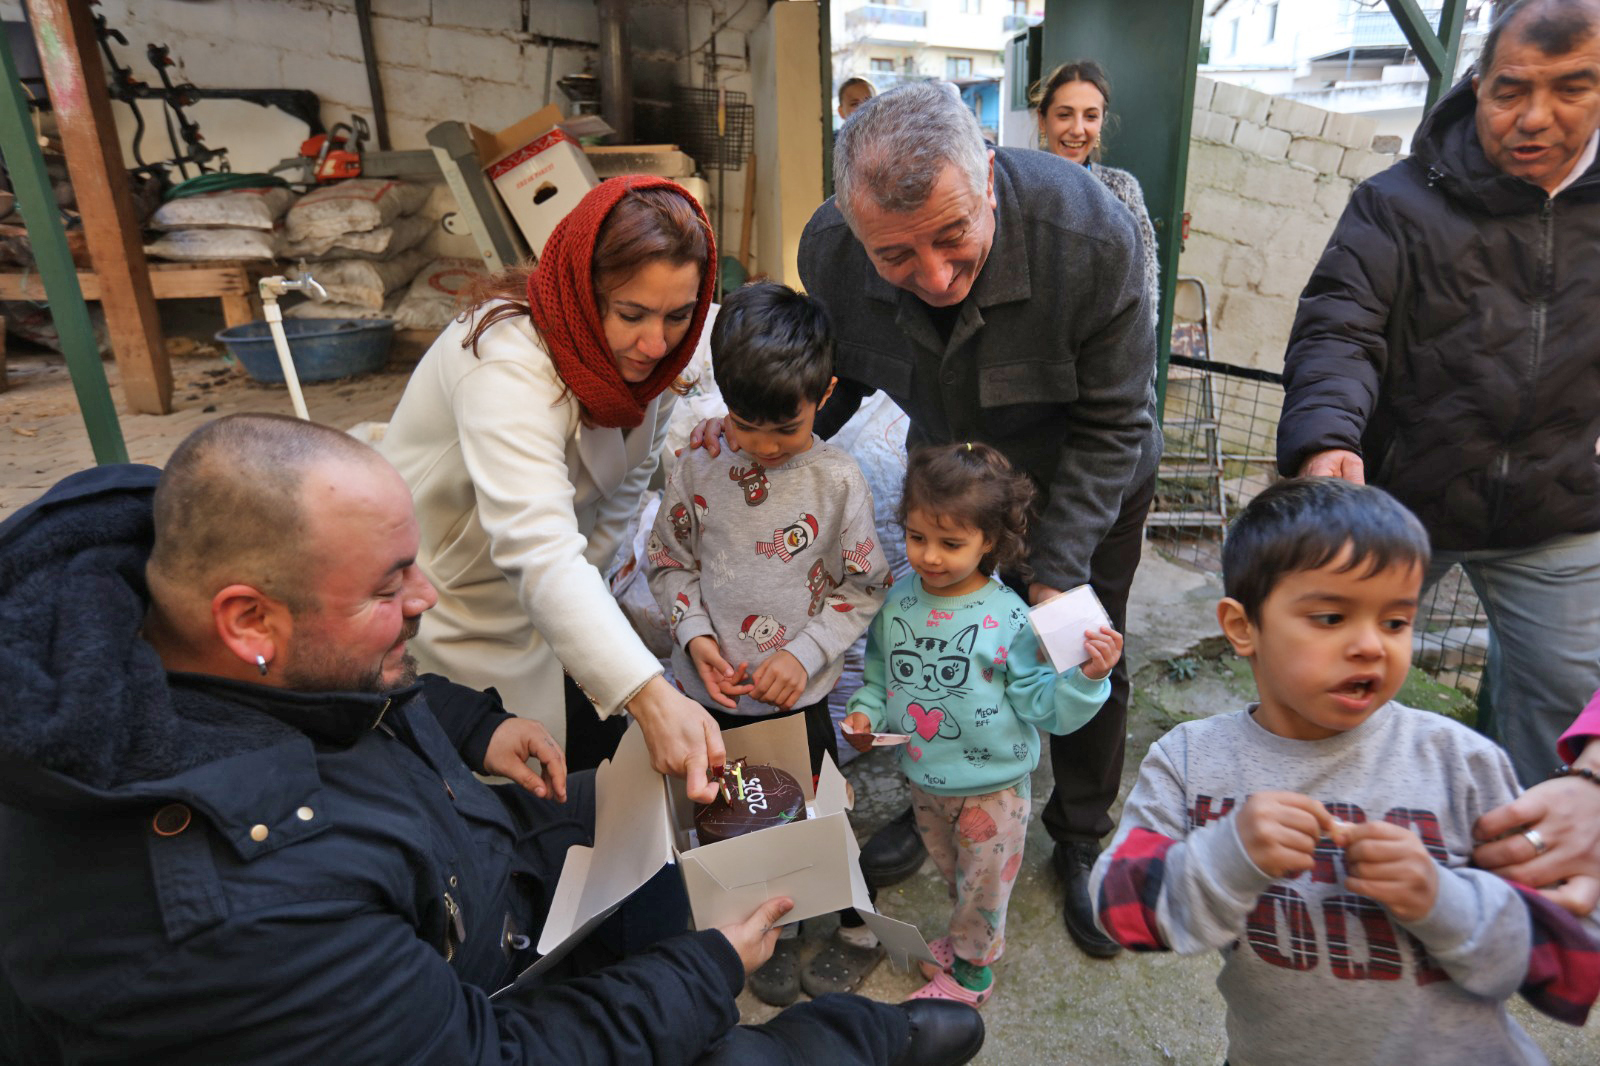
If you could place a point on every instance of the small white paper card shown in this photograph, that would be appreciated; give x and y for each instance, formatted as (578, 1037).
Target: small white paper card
(1061, 621)
(879, 740)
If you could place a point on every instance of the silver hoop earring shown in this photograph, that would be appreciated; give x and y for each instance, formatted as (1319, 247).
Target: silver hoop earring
(261, 664)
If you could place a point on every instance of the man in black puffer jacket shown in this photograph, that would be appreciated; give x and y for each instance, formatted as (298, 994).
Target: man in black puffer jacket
(1447, 347)
(236, 829)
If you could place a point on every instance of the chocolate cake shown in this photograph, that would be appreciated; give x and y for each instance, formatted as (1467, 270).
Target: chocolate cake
(752, 798)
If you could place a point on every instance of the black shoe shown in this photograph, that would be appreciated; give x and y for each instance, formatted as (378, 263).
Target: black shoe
(893, 853)
(1073, 862)
(943, 1033)
(777, 981)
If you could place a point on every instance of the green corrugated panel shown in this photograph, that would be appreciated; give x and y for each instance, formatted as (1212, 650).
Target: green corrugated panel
(1149, 49)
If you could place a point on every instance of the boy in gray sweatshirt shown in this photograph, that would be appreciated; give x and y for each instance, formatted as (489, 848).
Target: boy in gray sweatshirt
(1321, 837)
(765, 560)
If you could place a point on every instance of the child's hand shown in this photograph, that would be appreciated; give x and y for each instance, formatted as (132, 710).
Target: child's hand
(1104, 648)
(723, 683)
(861, 739)
(1390, 864)
(780, 680)
(1577, 895)
(1280, 831)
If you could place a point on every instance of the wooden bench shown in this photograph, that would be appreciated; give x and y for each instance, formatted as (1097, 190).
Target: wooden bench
(232, 282)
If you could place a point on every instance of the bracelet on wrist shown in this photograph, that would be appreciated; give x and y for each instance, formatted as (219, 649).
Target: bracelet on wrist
(1567, 771)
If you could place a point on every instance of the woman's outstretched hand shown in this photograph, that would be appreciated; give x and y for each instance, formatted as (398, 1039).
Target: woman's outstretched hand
(682, 738)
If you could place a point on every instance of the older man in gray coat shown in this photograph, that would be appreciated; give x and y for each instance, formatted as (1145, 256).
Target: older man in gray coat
(998, 295)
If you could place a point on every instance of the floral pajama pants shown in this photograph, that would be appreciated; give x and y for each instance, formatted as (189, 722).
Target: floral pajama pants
(976, 841)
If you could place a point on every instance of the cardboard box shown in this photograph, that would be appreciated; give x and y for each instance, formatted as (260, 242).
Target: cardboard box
(538, 168)
(1061, 621)
(643, 821)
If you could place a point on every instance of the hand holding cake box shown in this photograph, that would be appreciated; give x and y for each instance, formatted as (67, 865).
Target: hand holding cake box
(1071, 627)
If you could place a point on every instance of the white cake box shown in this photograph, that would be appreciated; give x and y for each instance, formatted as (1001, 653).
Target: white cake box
(644, 820)
(539, 168)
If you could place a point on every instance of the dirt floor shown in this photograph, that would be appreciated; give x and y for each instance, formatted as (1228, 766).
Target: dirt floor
(43, 439)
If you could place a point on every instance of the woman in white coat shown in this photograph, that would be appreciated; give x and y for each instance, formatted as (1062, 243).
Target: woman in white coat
(528, 433)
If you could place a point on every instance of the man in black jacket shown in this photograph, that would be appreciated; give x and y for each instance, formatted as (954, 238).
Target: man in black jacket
(237, 829)
(1446, 348)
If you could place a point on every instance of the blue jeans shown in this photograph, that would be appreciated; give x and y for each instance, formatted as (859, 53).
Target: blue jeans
(1543, 606)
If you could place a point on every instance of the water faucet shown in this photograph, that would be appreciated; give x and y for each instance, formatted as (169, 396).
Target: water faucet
(277, 285)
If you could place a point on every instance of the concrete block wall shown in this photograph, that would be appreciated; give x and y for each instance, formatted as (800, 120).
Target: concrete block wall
(483, 61)
(1268, 179)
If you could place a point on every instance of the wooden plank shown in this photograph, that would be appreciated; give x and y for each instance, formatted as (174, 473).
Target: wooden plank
(69, 55)
(186, 281)
(183, 283)
(36, 200)
(747, 209)
(239, 309)
(615, 149)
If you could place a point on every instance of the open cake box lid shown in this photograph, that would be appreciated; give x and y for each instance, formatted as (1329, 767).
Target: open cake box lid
(642, 821)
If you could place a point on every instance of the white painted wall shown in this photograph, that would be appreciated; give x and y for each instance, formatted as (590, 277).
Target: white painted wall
(1268, 179)
(788, 139)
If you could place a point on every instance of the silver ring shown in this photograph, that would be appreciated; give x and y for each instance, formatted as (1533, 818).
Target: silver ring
(1539, 846)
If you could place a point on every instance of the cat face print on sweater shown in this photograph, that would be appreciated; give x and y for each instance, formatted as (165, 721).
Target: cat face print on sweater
(931, 670)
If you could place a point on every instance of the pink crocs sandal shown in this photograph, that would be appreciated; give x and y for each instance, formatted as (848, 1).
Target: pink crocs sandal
(943, 986)
(943, 953)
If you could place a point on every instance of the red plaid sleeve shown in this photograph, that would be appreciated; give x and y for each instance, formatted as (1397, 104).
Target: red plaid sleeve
(1131, 889)
(1563, 962)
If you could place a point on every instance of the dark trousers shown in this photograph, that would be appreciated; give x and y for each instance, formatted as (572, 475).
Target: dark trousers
(819, 728)
(831, 1029)
(1088, 763)
(591, 740)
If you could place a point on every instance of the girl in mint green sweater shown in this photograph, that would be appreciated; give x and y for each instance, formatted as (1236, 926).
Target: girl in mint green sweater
(953, 665)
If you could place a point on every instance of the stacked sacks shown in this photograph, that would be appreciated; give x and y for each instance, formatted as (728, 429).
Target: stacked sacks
(226, 224)
(359, 239)
(431, 301)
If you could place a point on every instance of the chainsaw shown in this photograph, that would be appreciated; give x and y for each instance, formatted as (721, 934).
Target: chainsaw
(331, 156)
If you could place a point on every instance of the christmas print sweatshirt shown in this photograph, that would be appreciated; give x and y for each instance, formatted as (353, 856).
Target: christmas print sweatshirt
(767, 560)
(962, 677)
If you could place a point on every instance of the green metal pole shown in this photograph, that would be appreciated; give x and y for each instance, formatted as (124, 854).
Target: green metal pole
(1150, 48)
(37, 202)
(1438, 52)
(1451, 19)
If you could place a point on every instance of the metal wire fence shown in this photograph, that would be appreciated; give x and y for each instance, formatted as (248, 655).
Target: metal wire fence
(1221, 431)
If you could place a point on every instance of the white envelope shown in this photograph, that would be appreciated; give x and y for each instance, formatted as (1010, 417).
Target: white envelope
(1061, 621)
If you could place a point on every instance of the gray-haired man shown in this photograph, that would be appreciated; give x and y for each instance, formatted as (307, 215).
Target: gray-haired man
(998, 295)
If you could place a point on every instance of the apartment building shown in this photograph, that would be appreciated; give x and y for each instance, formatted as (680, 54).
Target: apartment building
(959, 41)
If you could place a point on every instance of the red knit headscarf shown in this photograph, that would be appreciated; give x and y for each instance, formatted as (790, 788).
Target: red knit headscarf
(562, 300)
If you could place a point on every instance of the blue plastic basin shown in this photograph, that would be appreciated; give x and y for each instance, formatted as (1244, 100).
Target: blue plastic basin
(323, 349)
